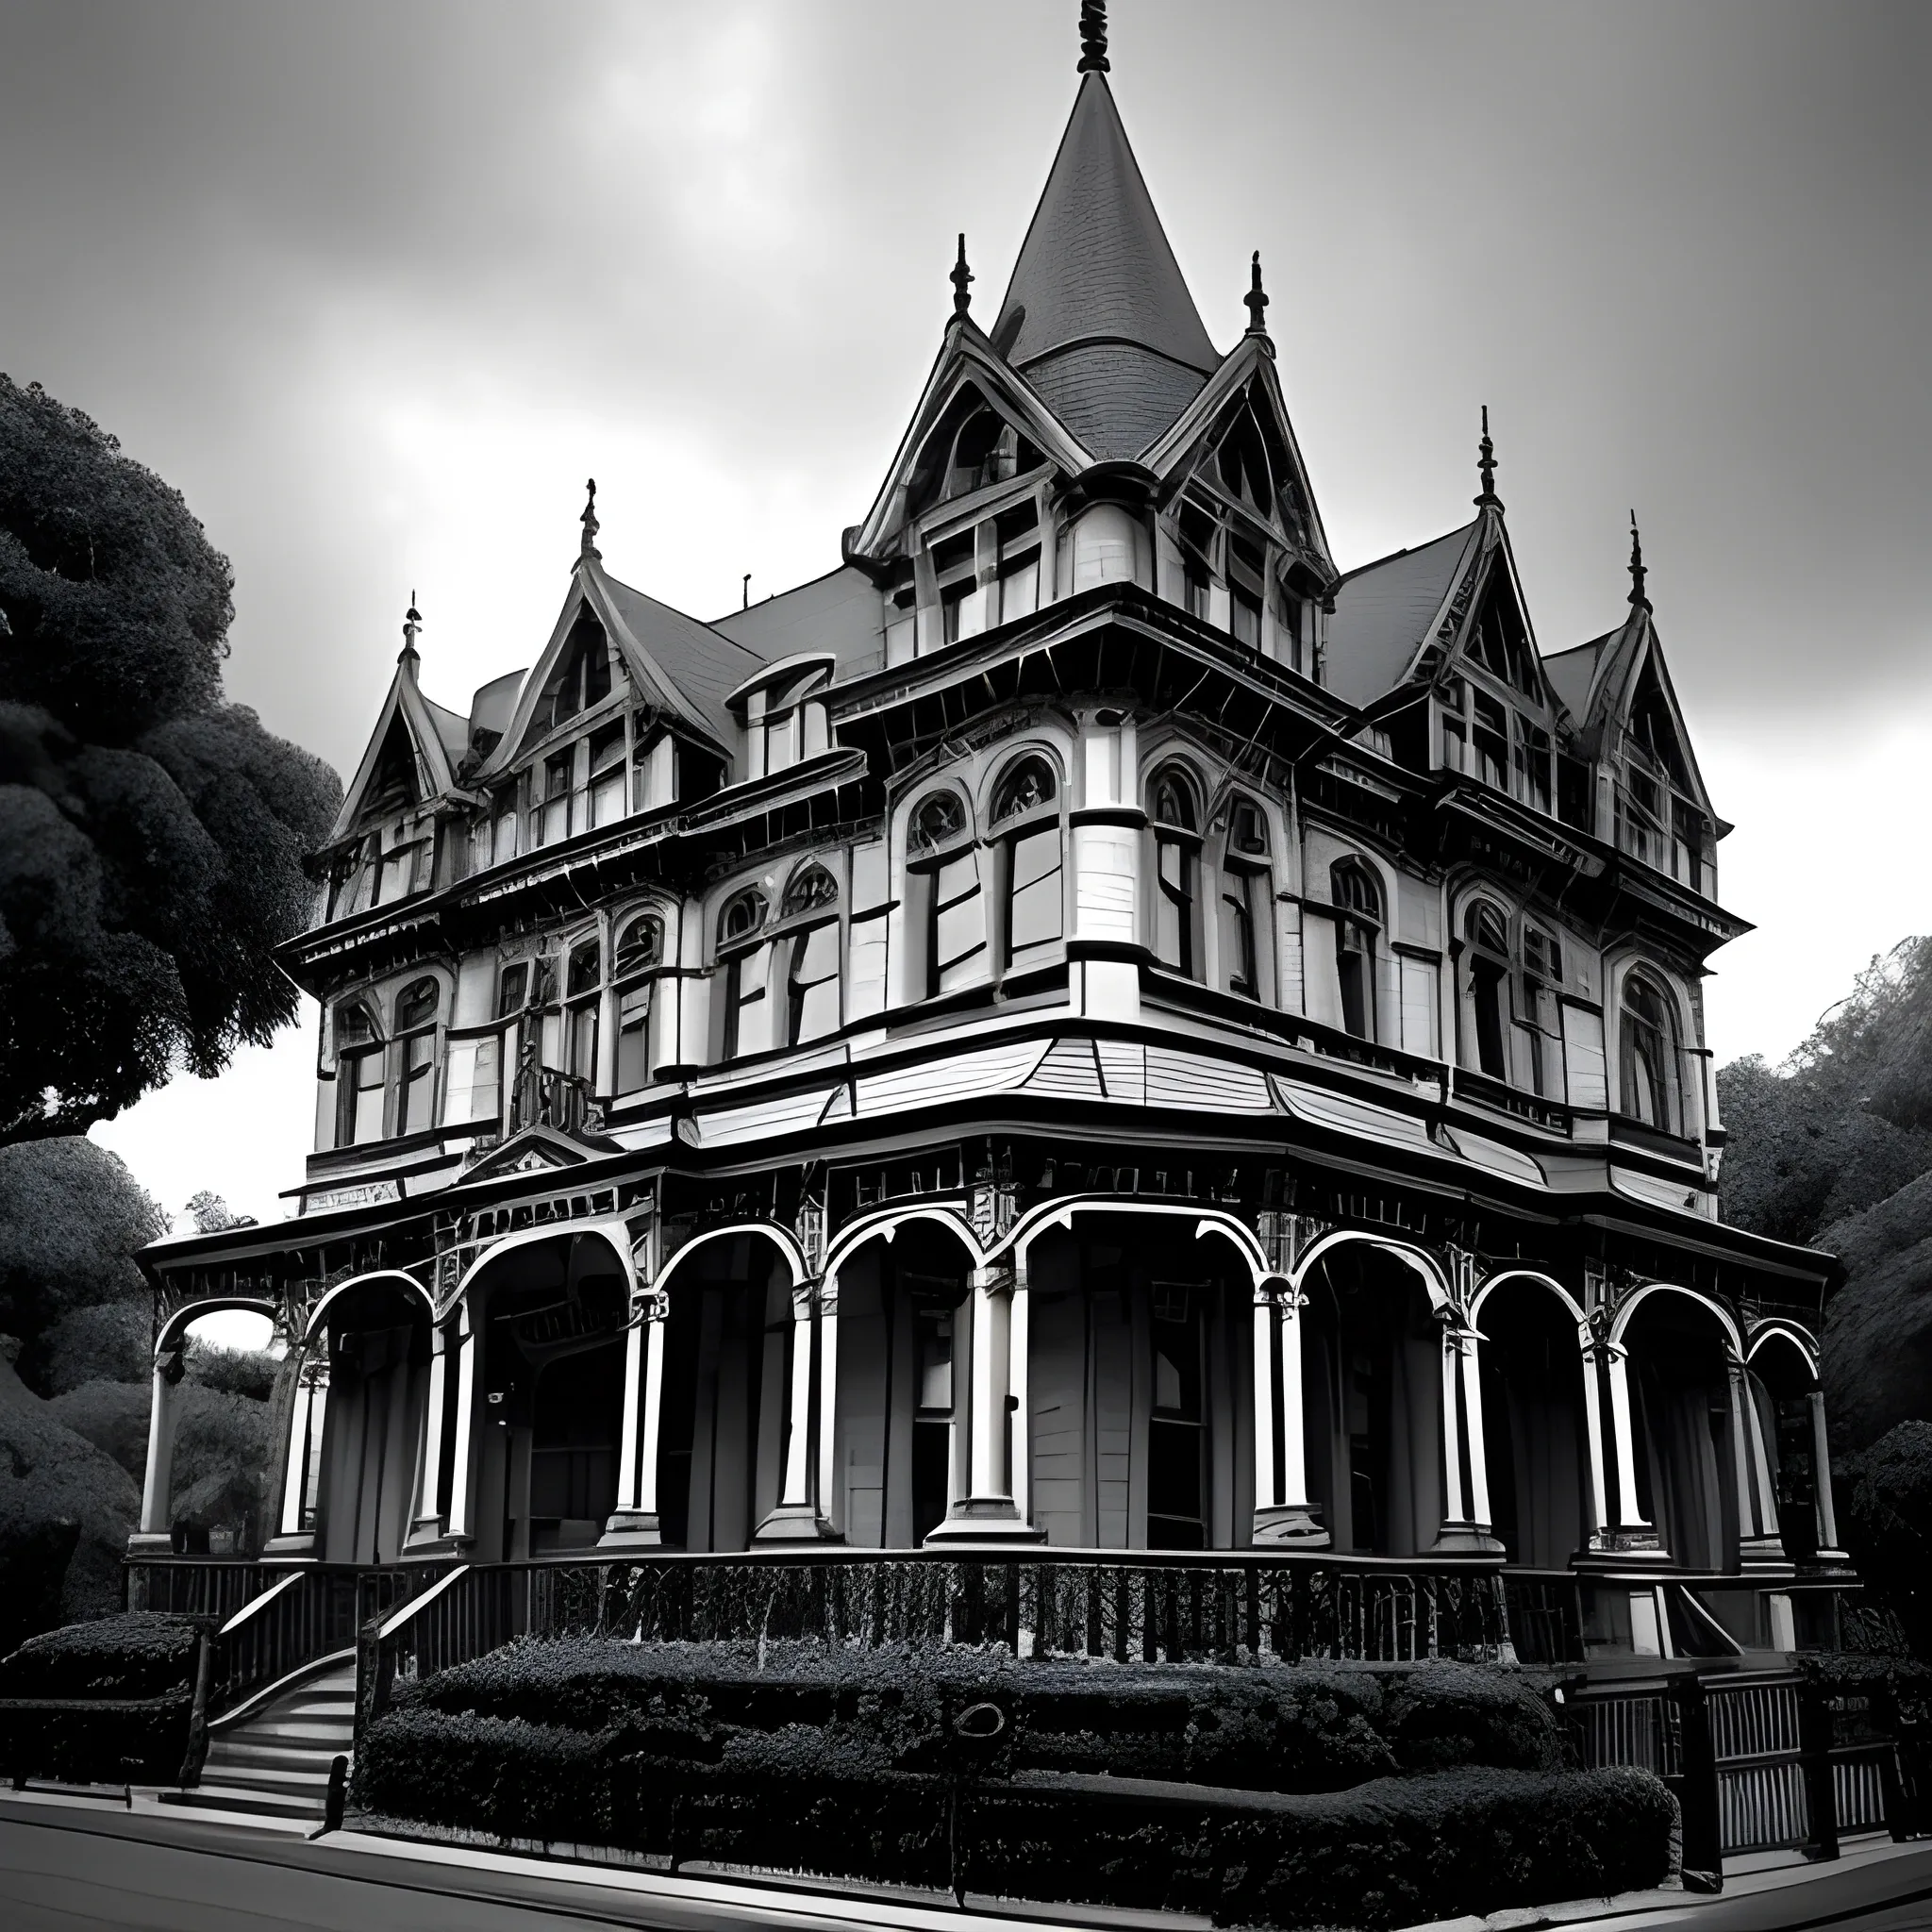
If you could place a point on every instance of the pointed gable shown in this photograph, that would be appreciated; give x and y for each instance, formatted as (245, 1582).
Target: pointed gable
(1097, 316)
(409, 759)
(1387, 613)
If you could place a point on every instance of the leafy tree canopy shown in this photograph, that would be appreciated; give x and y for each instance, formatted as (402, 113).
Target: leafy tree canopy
(1847, 1120)
(152, 835)
(72, 1218)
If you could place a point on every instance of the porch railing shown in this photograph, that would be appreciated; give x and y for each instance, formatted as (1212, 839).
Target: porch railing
(215, 1587)
(1177, 1611)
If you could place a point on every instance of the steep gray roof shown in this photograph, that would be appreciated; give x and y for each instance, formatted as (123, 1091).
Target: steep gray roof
(1096, 269)
(1569, 674)
(704, 664)
(1382, 614)
(840, 613)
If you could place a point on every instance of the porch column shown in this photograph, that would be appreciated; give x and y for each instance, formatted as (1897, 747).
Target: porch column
(297, 1537)
(1627, 1537)
(157, 1490)
(826, 1469)
(797, 1518)
(1283, 1513)
(633, 1524)
(1828, 1550)
(1759, 1545)
(462, 1451)
(1466, 1504)
(1594, 1423)
(426, 1524)
(989, 1512)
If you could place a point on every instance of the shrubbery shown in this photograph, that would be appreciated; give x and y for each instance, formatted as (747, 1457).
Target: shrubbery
(1261, 1795)
(101, 1703)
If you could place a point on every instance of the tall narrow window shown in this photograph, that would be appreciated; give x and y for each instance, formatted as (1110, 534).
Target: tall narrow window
(812, 955)
(1649, 1056)
(416, 1008)
(742, 954)
(1357, 920)
(1543, 975)
(550, 807)
(1243, 898)
(358, 1075)
(639, 947)
(946, 909)
(1488, 987)
(583, 990)
(1177, 871)
(1027, 822)
(606, 775)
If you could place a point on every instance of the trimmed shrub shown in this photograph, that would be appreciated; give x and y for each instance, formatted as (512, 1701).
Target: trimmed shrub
(102, 1702)
(1261, 1795)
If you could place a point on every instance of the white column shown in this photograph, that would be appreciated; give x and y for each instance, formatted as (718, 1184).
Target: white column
(1454, 1510)
(1629, 1515)
(157, 1489)
(295, 1473)
(1283, 1514)
(634, 1523)
(1594, 1419)
(1759, 1542)
(826, 1486)
(798, 1517)
(463, 1447)
(1265, 1495)
(989, 1512)
(1018, 1434)
(1467, 1343)
(1821, 1478)
(427, 1521)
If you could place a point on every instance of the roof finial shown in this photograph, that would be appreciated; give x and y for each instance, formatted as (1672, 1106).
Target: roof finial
(588, 520)
(962, 279)
(1093, 37)
(1639, 599)
(412, 623)
(1257, 299)
(1486, 466)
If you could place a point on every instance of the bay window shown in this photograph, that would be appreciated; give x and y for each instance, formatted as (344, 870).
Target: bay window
(1176, 872)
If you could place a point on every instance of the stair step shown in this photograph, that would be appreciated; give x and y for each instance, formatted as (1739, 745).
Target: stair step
(307, 1763)
(266, 1777)
(239, 1798)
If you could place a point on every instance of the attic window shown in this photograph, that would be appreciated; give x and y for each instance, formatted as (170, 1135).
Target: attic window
(583, 678)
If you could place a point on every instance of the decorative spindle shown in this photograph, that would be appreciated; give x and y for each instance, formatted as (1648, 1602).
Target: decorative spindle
(1486, 466)
(1257, 299)
(1093, 37)
(588, 520)
(1639, 599)
(412, 625)
(962, 279)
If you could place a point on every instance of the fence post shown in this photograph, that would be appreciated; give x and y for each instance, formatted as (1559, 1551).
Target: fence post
(1900, 1767)
(197, 1715)
(1697, 1794)
(1815, 1733)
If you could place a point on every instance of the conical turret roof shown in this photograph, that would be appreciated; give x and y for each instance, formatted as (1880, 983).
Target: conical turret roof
(1098, 316)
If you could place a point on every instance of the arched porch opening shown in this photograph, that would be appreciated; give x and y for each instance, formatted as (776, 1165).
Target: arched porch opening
(360, 1396)
(1140, 1379)
(1534, 1422)
(1688, 1450)
(1782, 1381)
(1372, 1388)
(904, 1367)
(549, 1317)
(728, 1339)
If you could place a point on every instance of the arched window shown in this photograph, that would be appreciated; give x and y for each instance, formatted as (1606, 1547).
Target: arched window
(416, 1010)
(1243, 898)
(945, 917)
(583, 993)
(639, 947)
(811, 968)
(1359, 918)
(358, 1074)
(1648, 1055)
(742, 954)
(1176, 817)
(1542, 979)
(1488, 932)
(1026, 823)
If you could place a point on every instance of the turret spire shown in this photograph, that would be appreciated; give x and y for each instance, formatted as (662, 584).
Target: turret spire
(1256, 300)
(962, 279)
(1486, 466)
(1093, 37)
(1639, 599)
(589, 550)
(412, 624)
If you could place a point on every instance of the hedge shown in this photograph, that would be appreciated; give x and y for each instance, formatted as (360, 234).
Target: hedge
(101, 1703)
(1262, 1796)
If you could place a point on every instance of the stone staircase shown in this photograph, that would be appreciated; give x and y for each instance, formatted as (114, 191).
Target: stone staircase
(272, 1757)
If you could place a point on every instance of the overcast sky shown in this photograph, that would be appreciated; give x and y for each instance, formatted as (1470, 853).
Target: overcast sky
(377, 287)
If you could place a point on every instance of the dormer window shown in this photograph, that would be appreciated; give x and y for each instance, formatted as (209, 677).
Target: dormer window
(785, 720)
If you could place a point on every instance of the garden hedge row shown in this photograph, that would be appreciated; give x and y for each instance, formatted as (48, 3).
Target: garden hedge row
(1262, 1797)
(101, 1703)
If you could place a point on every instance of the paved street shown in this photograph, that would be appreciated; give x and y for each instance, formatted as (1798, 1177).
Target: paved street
(69, 1863)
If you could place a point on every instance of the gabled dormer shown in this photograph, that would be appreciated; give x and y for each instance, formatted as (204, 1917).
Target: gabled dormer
(384, 844)
(1652, 801)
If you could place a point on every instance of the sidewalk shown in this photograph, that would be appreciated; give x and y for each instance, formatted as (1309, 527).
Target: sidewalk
(68, 1860)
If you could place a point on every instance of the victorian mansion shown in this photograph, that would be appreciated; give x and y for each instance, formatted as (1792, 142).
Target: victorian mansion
(1090, 1025)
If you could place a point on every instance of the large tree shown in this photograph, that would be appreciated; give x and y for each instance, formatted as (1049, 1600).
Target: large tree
(153, 836)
